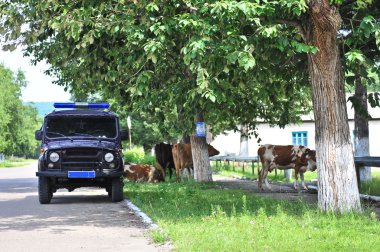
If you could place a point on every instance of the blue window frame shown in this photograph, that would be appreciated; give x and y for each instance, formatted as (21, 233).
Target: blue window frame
(299, 138)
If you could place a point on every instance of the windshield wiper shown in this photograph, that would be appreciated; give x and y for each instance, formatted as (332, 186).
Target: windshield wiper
(84, 134)
(59, 134)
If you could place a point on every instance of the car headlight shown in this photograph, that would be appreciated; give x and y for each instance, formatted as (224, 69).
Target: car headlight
(108, 157)
(54, 157)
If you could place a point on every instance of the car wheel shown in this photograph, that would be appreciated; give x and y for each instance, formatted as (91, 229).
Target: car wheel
(45, 192)
(117, 190)
(109, 190)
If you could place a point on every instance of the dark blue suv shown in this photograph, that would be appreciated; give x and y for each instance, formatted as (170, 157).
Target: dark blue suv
(81, 147)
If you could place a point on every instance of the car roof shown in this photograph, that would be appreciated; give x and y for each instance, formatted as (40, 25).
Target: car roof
(82, 112)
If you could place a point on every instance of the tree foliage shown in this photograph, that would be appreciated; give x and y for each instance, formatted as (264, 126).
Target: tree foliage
(361, 37)
(169, 59)
(18, 122)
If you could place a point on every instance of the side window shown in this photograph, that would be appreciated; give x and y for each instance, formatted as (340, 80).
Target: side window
(299, 138)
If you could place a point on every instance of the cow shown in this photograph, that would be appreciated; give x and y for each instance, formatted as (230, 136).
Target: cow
(164, 157)
(299, 158)
(183, 157)
(143, 173)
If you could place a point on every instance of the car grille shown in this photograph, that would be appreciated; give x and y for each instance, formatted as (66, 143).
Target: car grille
(81, 159)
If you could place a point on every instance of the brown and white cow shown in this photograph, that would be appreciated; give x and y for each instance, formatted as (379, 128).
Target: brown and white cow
(299, 158)
(184, 159)
(143, 173)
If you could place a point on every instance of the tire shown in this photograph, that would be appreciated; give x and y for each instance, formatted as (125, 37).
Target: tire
(117, 190)
(45, 192)
(109, 191)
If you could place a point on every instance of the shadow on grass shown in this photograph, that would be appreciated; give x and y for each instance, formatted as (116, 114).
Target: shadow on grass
(178, 201)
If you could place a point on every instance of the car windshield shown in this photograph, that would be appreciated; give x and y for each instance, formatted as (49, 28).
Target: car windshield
(99, 127)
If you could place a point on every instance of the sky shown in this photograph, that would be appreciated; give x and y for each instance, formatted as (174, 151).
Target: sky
(40, 87)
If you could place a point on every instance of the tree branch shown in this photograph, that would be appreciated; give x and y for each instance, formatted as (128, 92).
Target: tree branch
(295, 24)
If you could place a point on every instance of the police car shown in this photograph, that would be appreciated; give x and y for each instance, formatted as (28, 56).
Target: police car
(80, 147)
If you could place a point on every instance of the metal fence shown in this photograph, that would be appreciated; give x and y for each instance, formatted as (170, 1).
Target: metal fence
(235, 160)
(359, 161)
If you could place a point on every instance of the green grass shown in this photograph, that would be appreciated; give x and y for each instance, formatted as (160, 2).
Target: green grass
(203, 217)
(372, 187)
(16, 162)
(237, 171)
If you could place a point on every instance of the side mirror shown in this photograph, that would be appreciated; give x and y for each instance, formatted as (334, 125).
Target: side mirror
(38, 135)
(124, 135)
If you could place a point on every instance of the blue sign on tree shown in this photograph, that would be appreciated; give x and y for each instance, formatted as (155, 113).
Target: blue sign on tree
(201, 129)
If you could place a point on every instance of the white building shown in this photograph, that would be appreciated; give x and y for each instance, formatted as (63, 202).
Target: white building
(301, 134)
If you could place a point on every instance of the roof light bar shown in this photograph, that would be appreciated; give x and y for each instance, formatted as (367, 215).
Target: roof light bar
(82, 105)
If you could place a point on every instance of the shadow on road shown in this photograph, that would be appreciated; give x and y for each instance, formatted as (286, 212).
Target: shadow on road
(20, 209)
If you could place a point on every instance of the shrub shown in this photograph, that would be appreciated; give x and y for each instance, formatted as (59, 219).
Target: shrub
(149, 159)
(137, 155)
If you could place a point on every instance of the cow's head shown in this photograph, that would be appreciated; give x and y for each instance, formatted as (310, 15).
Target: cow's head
(310, 156)
(158, 174)
(212, 151)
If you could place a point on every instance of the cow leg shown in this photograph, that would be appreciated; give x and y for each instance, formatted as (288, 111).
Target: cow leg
(296, 178)
(189, 175)
(263, 176)
(303, 181)
(170, 171)
(266, 180)
(182, 171)
(260, 175)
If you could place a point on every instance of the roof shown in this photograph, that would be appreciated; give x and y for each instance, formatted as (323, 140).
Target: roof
(81, 112)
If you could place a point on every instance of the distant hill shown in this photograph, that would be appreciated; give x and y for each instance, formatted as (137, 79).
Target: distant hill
(43, 108)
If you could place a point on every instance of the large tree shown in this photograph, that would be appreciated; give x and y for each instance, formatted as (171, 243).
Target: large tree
(158, 58)
(361, 31)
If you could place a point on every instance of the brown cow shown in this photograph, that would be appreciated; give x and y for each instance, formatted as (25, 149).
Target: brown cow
(143, 172)
(284, 157)
(183, 158)
(164, 157)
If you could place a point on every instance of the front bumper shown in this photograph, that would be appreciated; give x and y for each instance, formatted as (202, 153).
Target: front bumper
(64, 174)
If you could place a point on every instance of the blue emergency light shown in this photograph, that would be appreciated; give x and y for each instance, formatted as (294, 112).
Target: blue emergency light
(82, 105)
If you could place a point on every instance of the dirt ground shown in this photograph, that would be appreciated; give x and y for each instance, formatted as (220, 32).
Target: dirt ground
(280, 191)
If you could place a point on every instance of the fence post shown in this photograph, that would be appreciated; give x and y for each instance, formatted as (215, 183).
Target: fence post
(357, 169)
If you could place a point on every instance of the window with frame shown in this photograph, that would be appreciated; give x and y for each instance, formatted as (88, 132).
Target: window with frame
(299, 138)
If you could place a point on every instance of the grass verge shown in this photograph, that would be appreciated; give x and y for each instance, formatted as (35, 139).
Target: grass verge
(372, 187)
(16, 162)
(203, 217)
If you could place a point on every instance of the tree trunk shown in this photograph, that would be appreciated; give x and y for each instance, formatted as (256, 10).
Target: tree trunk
(337, 185)
(199, 151)
(243, 140)
(361, 136)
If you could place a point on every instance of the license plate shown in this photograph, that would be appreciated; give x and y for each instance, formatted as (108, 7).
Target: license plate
(81, 174)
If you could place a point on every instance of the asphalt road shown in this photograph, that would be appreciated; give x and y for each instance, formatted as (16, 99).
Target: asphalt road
(83, 220)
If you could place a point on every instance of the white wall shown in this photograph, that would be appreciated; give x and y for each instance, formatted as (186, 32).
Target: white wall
(230, 143)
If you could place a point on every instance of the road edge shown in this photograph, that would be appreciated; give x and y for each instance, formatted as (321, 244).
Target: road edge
(143, 216)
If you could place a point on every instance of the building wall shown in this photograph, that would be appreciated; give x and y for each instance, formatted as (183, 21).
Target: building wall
(229, 144)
